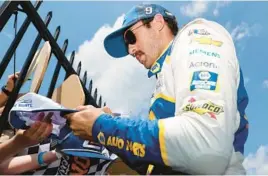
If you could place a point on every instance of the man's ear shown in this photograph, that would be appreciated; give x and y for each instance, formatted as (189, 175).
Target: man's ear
(159, 21)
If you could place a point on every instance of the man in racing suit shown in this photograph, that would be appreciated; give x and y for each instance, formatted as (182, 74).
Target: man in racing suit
(197, 121)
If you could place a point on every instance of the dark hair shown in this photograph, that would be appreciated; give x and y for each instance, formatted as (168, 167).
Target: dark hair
(172, 24)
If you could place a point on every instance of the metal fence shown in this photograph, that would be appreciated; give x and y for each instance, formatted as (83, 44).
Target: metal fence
(13, 8)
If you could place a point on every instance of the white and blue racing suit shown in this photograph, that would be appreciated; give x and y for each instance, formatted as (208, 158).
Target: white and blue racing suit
(197, 121)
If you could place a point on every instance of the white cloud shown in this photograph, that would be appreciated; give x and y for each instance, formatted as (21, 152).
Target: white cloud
(257, 163)
(245, 30)
(195, 8)
(265, 83)
(216, 12)
(220, 4)
(123, 83)
(199, 7)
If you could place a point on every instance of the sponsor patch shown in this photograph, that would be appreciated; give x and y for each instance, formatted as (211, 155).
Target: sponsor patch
(198, 32)
(168, 13)
(101, 138)
(207, 41)
(136, 148)
(203, 64)
(204, 80)
(24, 103)
(202, 108)
(204, 52)
(64, 166)
(155, 68)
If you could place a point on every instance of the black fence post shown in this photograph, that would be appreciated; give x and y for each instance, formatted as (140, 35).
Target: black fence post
(90, 87)
(95, 94)
(100, 101)
(84, 80)
(78, 70)
(6, 10)
(56, 72)
(12, 98)
(12, 48)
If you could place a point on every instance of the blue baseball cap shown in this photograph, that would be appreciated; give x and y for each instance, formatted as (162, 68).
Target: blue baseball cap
(114, 43)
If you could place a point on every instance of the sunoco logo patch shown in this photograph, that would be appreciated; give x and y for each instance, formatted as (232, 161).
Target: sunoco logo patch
(204, 108)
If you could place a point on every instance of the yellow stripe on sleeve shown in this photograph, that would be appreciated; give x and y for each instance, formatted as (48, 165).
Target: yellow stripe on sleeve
(162, 142)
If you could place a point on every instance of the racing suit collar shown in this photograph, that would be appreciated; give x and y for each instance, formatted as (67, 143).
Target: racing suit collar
(157, 66)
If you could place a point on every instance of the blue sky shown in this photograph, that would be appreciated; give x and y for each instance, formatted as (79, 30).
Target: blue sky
(86, 24)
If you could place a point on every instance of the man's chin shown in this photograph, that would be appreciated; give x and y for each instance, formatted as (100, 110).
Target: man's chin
(147, 67)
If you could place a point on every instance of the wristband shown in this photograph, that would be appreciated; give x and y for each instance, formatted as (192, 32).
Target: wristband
(7, 92)
(40, 159)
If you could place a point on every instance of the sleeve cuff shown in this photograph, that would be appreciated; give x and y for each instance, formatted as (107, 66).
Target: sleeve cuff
(98, 125)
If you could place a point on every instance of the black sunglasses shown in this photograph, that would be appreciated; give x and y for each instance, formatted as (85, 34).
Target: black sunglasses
(129, 35)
